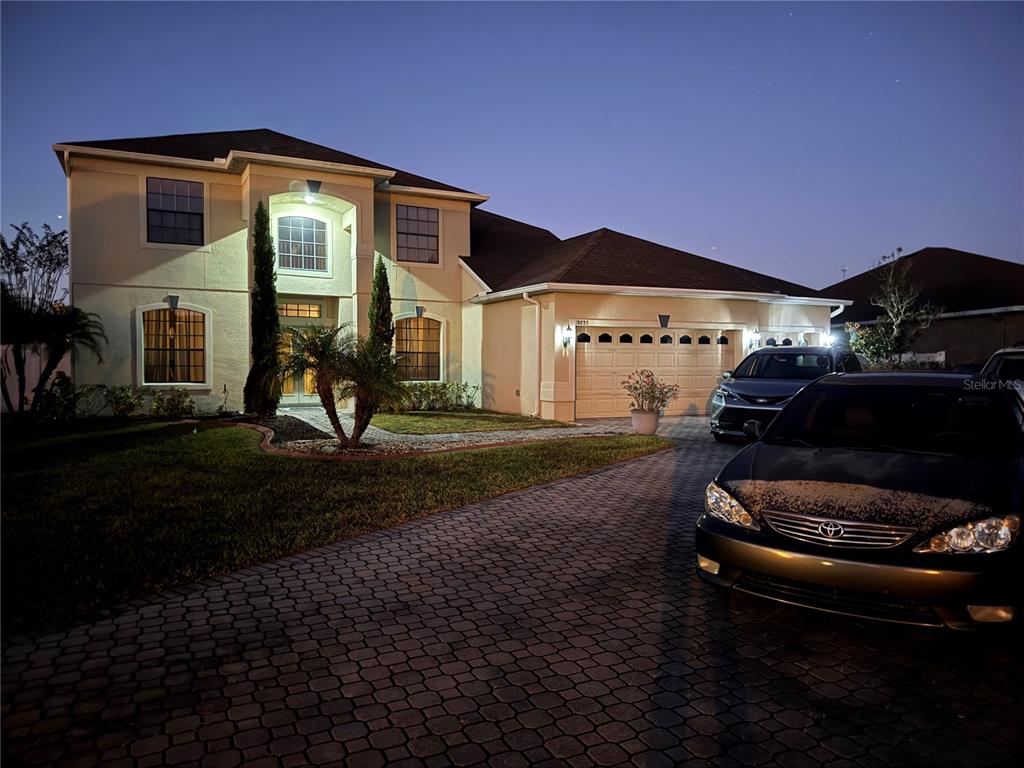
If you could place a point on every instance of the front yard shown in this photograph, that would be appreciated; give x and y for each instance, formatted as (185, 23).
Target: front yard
(439, 422)
(95, 517)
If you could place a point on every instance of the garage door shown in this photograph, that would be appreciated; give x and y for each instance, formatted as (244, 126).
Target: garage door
(692, 359)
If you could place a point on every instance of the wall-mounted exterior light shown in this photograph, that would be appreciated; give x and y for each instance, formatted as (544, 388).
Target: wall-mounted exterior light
(312, 190)
(567, 336)
(172, 300)
(663, 320)
(827, 340)
(755, 339)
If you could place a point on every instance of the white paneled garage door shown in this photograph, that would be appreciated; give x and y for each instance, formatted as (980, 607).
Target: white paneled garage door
(692, 359)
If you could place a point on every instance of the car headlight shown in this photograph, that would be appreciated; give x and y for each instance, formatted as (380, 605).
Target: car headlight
(993, 534)
(723, 506)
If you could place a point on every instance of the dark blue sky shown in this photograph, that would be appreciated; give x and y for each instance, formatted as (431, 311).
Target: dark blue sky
(789, 138)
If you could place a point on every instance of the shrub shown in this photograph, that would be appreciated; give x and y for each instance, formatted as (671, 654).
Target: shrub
(122, 400)
(440, 396)
(172, 404)
(647, 392)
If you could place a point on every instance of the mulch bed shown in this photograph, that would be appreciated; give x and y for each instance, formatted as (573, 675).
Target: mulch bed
(289, 429)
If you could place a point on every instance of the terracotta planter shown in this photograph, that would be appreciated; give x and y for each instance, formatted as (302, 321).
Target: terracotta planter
(645, 422)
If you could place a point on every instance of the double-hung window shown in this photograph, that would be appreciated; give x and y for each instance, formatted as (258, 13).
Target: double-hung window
(174, 211)
(417, 231)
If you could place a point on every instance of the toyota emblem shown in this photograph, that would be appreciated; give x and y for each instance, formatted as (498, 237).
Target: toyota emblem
(831, 530)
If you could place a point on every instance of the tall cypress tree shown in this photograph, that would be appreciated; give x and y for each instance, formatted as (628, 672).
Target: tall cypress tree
(382, 326)
(261, 395)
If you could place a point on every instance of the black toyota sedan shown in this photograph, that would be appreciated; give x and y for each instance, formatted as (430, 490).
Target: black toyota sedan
(883, 495)
(766, 380)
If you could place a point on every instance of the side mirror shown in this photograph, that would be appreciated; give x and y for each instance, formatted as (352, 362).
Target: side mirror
(752, 429)
(727, 374)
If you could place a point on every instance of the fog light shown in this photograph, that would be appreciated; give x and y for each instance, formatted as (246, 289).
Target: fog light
(991, 612)
(709, 565)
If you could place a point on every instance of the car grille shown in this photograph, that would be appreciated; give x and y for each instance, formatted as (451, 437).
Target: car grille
(845, 533)
(733, 418)
(881, 607)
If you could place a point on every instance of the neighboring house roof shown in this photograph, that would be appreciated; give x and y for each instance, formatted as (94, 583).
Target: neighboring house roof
(606, 257)
(218, 144)
(956, 281)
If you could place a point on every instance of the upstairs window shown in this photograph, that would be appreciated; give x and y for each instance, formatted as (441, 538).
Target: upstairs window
(417, 231)
(302, 243)
(174, 211)
(174, 346)
(418, 348)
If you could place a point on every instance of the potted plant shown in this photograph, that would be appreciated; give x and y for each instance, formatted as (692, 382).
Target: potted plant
(649, 396)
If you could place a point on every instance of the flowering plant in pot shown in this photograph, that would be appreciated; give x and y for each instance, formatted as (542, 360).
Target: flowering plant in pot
(649, 397)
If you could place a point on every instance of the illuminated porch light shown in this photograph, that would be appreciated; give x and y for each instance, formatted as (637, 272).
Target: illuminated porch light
(312, 190)
(827, 339)
(567, 336)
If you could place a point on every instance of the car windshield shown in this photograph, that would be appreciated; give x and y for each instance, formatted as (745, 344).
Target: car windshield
(803, 366)
(905, 419)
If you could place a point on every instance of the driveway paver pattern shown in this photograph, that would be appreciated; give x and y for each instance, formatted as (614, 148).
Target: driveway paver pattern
(559, 625)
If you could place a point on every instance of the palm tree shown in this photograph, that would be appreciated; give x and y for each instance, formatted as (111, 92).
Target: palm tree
(370, 376)
(324, 352)
(59, 330)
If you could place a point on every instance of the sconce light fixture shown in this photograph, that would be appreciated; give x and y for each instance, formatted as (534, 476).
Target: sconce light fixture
(312, 190)
(172, 300)
(567, 336)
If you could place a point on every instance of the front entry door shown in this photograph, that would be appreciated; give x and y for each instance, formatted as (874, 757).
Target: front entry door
(298, 390)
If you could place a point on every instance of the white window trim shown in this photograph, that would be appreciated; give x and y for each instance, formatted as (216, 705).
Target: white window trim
(442, 345)
(140, 349)
(394, 237)
(171, 173)
(327, 274)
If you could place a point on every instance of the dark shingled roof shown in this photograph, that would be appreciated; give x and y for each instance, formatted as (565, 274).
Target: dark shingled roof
(501, 246)
(207, 146)
(606, 257)
(955, 280)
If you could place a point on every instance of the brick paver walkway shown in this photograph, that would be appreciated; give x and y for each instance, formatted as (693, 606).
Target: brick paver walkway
(561, 625)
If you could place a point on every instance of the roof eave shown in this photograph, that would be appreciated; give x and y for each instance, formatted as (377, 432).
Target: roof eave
(401, 189)
(632, 290)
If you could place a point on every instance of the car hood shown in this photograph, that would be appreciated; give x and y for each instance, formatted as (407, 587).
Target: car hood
(772, 388)
(896, 488)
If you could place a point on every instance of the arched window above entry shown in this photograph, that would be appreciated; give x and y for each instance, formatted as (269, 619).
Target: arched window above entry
(704, 340)
(723, 339)
(684, 339)
(647, 339)
(583, 338)
(666, 339)
(787, 342)
(626, 338)
(604, 338)
(418, 348)
(771, 342)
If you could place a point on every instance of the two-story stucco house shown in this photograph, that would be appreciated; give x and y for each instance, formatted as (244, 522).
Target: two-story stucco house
(160, 250)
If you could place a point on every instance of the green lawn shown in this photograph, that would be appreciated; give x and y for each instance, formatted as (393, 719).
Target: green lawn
(99, 516)
(437, 422)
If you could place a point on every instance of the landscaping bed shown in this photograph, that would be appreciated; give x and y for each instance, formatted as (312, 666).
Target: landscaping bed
(91, 518)
(442, 422)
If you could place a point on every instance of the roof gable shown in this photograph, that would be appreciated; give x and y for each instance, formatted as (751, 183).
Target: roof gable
(219, 144)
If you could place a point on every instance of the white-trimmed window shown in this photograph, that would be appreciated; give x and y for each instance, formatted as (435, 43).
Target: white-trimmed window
(302, 243)
(417, 231)
(175, 345)
(418, 348)
(290, 309)
(174, 211)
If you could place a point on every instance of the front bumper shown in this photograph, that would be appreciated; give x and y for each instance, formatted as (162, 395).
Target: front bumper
(728, 417)
(873, 589)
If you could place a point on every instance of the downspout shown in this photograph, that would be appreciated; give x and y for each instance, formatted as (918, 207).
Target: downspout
(837, 311)
(536, 323)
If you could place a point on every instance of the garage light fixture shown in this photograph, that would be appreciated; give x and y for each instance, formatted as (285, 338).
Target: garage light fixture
(567, 336)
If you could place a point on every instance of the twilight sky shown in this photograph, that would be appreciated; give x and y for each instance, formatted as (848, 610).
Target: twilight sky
(793, 138)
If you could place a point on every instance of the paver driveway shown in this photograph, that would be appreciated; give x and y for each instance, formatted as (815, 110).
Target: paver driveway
(558, 625)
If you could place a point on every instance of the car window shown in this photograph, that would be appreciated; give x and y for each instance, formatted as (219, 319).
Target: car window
(848, 364)
(1011, 368)
(769, 365)
(901, 418)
